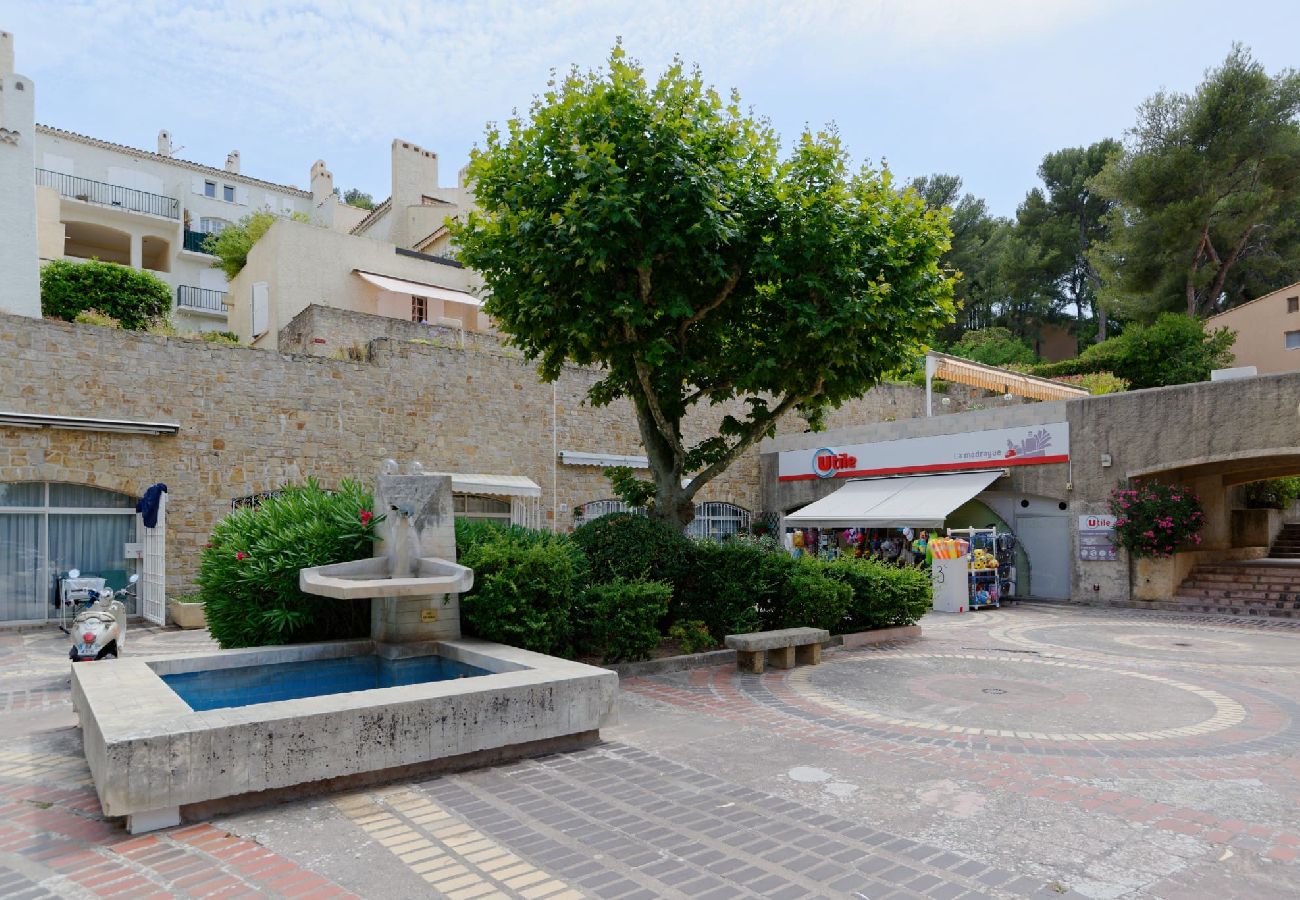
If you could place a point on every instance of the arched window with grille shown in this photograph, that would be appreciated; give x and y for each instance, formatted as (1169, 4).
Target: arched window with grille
(715, 520)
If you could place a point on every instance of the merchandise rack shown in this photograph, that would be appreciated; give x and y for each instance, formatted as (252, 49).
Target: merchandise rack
(984, 585)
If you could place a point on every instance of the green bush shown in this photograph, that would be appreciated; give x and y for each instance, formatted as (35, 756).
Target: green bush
(1154, 520)
(994, 347)
(811, 598)
(220, 337)
(629, 546)
(132, 297)
(248, 572)
(619, 621)
(95, 317)
(526, 584)
(1276, 493)
(884, 596)
(1175, 349)
(728, 583)
(692, 636)
(1096, 383)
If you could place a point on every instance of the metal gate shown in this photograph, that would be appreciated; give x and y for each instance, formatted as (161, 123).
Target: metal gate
(153, 578)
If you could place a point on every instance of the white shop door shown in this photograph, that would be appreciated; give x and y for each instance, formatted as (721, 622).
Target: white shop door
(1046, 540)
(153, 578)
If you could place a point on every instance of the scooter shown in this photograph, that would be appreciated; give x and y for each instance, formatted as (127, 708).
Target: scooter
(99, 629)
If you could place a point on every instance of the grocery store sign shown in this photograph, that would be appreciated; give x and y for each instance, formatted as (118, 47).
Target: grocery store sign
(994, 449)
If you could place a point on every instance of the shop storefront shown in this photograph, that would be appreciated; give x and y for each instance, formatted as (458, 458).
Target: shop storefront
(1002, 490)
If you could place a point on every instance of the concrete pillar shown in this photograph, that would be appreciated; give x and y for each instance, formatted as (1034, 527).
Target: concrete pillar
(20, 285)
(1217, 533)
(137, 251)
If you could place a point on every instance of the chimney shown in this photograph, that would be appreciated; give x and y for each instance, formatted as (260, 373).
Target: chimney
(415, 175)
(322, 194)
(6, 53)
(232, 161)
(164, 143)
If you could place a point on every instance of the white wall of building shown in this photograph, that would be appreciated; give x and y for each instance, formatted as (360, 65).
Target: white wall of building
(20, 291)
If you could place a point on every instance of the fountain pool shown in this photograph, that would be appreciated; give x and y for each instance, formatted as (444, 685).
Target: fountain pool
(182, 737)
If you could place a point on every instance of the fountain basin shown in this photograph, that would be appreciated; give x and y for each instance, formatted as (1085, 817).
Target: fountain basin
(363, 578)
(156, 760)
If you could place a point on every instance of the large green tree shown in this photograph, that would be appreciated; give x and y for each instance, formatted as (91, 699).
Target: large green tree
(975, 253)
(1064, 219)
(1206, 191)
(653, 230)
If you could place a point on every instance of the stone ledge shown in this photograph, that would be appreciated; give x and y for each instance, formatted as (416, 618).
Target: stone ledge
(877, 636)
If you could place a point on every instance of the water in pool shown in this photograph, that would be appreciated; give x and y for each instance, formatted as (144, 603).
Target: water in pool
(247, 685)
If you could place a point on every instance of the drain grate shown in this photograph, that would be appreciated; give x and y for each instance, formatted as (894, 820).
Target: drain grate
(1181, 644)
(994, 691)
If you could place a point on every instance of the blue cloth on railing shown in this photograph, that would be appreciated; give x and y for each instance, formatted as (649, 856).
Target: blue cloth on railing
(148, 504)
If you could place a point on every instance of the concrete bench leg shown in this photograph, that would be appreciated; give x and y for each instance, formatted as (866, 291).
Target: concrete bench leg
(808, 654)
(750, 662)
(781, 657)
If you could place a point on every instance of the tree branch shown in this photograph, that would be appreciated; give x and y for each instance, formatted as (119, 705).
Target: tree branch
(705, 392)
(732, 280)
(652, 397)
(757, 429)
(1217, 287)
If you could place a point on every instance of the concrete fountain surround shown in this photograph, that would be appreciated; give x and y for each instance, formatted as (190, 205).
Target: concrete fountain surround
(155, 760)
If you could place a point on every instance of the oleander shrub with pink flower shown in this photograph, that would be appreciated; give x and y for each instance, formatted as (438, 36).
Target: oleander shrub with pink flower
(1154, 520)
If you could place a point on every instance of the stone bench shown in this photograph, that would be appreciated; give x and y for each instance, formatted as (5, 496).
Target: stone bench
(784, 648)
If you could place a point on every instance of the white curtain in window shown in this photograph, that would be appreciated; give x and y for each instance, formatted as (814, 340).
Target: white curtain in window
(95, 544)
(22, 595)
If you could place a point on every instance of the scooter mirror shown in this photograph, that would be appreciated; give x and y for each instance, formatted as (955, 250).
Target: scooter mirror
(133, 579)
(74, 573)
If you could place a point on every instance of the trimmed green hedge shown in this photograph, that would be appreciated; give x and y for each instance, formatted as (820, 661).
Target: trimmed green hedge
(525, 586)
(619, 621)
(133, 297)
(883, 596)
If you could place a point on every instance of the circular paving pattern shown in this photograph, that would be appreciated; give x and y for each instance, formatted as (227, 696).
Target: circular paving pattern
(1154, 641)
(1014, 696)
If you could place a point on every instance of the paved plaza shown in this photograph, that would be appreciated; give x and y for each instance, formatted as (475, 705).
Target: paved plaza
(1033, 751)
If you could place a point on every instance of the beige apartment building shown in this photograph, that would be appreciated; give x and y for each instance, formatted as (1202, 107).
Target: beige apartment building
(1268, 331)
(70, 196)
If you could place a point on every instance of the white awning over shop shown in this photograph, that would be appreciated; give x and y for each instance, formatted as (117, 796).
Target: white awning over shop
(493, 485)
(417, 289)
(917, 501)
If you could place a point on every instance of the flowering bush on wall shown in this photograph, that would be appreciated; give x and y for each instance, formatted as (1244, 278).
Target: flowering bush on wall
(1155, 519)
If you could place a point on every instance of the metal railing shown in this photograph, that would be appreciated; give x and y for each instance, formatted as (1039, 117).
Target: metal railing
(194, 241)
(110, 194)
(201, 298)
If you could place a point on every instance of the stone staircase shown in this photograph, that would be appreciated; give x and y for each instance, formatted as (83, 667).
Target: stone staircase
(1240, 589)
(1287, 543)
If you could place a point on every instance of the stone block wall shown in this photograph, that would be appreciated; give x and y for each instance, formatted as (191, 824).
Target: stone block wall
(254, 420)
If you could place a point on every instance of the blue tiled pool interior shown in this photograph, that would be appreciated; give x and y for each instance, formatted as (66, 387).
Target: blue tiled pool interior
(247, 685)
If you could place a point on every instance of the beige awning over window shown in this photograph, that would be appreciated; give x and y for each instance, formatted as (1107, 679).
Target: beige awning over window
(916, 501)
(494, 485)
(417, 289)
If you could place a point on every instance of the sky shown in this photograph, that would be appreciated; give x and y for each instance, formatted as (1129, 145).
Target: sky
(977, 88)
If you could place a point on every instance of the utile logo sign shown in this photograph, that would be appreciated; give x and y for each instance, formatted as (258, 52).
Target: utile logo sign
(826, 462)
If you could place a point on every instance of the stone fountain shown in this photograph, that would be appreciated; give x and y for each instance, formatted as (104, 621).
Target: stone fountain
(183, 738)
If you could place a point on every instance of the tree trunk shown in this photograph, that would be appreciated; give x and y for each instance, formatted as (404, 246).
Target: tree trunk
(673, 504)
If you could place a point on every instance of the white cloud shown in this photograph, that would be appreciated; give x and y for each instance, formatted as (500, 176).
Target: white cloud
(320, 77)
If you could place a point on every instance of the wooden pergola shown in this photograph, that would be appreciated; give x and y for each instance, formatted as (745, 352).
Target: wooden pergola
(991, 378)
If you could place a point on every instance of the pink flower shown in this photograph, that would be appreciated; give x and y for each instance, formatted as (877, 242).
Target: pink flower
(366, 516)
(240, 555)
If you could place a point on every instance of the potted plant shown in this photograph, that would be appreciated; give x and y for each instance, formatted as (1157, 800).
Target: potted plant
(186, 611)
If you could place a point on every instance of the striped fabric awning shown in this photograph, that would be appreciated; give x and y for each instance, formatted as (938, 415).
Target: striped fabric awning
(1003, 381)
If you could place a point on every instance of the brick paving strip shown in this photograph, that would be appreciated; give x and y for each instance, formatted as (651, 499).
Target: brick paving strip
(55, 842)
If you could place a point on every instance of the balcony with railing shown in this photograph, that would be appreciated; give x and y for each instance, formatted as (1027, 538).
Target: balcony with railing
(201, 299)
(110, 195)
(195, 241)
